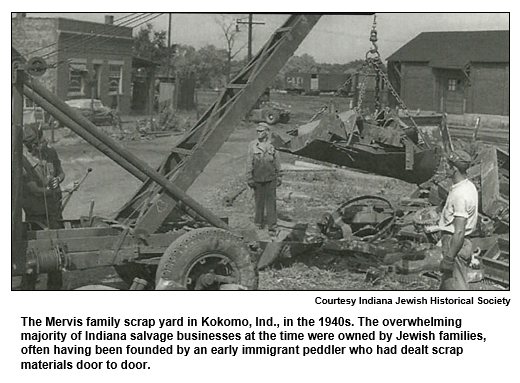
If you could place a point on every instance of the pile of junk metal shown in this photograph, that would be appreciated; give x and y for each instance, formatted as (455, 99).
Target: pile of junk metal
(398, 241)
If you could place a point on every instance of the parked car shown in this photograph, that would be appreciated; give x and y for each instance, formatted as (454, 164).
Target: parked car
(102, 115)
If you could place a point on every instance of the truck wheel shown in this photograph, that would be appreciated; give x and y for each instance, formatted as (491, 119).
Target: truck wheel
(272, 117)
(207, 259)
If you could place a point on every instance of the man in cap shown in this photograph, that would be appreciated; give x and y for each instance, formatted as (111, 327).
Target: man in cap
(263, 176)
(458, 220)
(41, 193)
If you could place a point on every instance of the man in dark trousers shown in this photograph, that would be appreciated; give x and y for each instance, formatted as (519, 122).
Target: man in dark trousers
(458, 220)
(263, 176)
(41, 193)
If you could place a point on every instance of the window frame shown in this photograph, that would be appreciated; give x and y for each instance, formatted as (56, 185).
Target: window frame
(113, 91)
(77, 70)
(453, 84)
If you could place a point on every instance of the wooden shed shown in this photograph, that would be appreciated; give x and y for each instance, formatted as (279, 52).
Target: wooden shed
(454, 72)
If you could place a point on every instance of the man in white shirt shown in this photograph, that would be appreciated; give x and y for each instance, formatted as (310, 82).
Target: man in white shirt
(458, 220)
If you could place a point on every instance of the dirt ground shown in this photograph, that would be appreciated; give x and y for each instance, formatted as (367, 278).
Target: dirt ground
(303, 196)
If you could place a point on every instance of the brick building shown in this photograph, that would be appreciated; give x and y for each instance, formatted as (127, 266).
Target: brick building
(454, 72)
(93, 59)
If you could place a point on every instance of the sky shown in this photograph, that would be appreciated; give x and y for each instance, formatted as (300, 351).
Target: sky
(337, 38)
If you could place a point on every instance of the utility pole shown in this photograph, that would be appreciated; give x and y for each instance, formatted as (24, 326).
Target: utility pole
(250, 23)
(169, 45)
(250, 38)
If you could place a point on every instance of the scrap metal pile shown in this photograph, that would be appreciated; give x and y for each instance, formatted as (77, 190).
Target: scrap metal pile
(395, 241)
(384, 145)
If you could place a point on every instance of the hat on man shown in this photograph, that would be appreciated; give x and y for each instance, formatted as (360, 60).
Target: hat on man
(261, 127)
(460, 159)
(31, 135)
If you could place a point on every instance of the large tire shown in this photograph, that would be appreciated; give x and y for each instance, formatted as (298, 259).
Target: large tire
(207, 259)
(272, 117)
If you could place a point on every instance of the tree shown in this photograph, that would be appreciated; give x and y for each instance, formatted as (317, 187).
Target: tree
(151, 45)
(184, 57)
(212, 66)
(301, 64)
(350, 67)
(209, 64)
(228, 25)
(304, 63)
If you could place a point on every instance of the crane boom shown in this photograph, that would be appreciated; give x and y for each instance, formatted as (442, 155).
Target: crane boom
(191, 155)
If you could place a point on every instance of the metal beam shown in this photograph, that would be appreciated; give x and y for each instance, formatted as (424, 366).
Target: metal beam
(214, 128)
(76, 128)
(124, 156)
(18, 258)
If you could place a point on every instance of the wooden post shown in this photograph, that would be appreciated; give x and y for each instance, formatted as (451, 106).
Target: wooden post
(177, 90)
(151, 96)
(169, 45)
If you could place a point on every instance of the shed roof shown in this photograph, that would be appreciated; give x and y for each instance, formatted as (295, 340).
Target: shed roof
(455, 49)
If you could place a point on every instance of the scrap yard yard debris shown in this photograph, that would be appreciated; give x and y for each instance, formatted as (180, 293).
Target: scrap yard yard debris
(359, 196)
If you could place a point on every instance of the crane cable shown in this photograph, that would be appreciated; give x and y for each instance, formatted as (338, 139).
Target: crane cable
(363, 70)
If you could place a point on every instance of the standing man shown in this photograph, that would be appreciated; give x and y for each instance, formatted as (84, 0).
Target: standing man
(263, 176)
(458, 220)
(41, 192)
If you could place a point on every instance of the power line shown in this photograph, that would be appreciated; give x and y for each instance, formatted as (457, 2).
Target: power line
(84, 39)
(147, 21)
(99, 28)
(150, 18)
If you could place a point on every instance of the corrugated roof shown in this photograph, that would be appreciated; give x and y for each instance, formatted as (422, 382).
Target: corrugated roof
(455, 49)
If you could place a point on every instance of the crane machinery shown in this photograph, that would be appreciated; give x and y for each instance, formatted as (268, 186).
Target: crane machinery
(162, 238)
(151, 238)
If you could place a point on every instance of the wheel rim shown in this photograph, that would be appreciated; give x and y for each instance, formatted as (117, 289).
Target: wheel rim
(370, 201)
(209, 271)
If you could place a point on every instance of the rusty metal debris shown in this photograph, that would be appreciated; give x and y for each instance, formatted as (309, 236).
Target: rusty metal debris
(387, 241)
(384, 145)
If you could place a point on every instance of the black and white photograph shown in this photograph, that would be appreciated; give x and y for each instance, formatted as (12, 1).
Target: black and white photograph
(266, 196)
(260, 151)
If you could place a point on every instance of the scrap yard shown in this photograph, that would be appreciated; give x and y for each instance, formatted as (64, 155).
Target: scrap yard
(364, 179)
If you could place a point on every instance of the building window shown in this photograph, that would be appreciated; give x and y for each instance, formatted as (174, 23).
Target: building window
(114, 79)
(452, 84)
(77, 77)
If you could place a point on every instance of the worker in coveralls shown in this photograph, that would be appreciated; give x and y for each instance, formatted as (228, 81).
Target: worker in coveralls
(263, 176)
(458, 220)
(41, 193)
